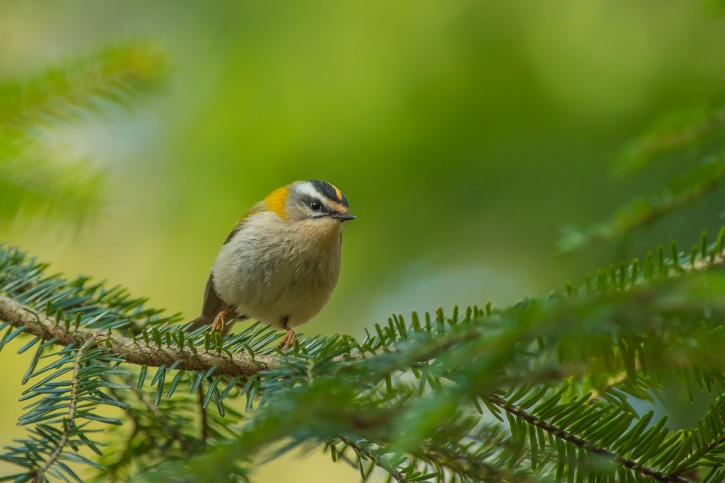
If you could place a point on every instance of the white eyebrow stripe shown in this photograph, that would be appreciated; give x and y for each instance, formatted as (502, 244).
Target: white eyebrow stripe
(306, 188)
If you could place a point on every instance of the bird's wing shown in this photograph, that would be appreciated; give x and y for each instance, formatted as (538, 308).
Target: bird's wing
(212, 303)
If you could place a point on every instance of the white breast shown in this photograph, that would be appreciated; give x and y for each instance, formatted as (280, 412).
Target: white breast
(270, 272)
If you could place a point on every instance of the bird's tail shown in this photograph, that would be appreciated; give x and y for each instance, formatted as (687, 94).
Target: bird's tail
(206, 321)
(201, 321)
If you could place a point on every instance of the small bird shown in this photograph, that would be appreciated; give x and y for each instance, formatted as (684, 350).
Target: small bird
(281, 261)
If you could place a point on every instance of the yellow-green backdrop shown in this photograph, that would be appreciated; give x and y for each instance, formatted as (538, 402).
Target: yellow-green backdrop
(465, 133)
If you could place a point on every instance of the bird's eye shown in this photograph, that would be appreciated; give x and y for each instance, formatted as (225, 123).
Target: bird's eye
(315, 206)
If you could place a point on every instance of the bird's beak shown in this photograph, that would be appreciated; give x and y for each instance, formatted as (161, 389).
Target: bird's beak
(342, 216)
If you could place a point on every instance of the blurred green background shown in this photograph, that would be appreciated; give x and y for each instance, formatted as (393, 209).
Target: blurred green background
(464, 133)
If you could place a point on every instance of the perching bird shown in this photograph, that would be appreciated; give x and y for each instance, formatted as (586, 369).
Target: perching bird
(282, 260)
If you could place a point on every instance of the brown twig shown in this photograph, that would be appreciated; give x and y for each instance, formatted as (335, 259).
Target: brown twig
(128, 349)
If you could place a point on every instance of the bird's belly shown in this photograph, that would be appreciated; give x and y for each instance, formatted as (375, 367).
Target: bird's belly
(275, 287)
(292, 309)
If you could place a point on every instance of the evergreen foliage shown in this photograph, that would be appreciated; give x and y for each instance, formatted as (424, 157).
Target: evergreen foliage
(565, 386)
(36, 179)
(545, 388)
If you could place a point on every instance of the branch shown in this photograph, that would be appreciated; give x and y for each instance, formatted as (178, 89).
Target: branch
(695, 457)
(582, 443)
(128, 349)
(163, 420)
(38, 475)
(364, 449)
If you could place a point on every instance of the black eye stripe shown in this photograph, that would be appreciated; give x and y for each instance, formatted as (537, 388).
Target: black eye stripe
(329, 191)
(308, 201)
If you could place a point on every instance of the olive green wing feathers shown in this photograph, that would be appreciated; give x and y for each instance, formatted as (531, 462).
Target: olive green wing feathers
(212, 304)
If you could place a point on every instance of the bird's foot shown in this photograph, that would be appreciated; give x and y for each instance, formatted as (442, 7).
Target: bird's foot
(220, 320)
(288, 340)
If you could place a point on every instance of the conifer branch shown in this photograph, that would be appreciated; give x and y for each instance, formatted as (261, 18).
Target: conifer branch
(204, 426)
(695, 457)
(612, 382)
(582, 443)
(38, 475)
(37, 179)
(364, 450)
(315, 393)
(461, 464)
(128, 349)
(169, 428)
(699, 182)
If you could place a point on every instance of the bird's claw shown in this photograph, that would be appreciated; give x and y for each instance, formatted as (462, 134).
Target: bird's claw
(288, 340)
(219, 322)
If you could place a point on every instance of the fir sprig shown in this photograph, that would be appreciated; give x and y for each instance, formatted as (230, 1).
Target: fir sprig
(36, 180)
(540, 389)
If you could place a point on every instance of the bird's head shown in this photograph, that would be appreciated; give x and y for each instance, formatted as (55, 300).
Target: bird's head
(310, 202)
